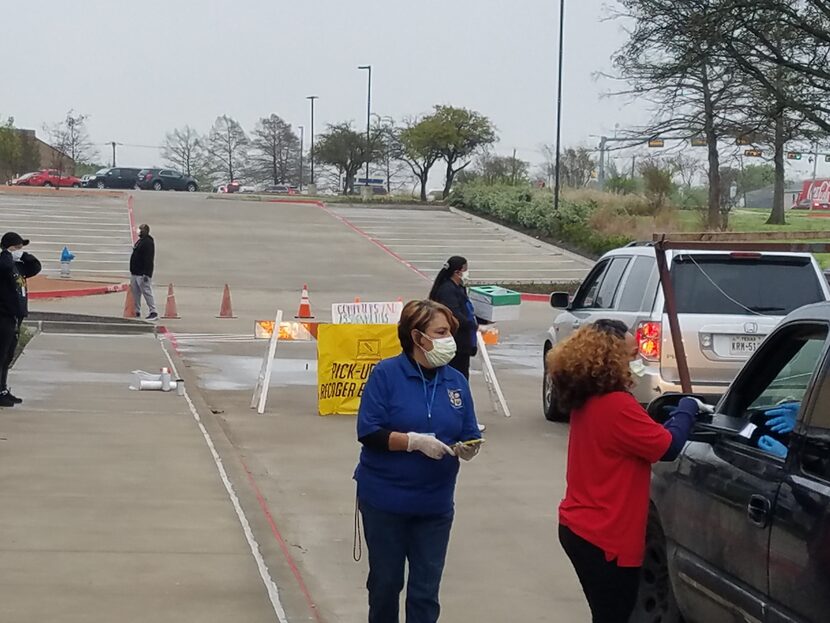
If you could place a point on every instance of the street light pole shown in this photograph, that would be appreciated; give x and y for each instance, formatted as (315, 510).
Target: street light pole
(556, 185)
(302, 147)
(368, 119)
(311, 98)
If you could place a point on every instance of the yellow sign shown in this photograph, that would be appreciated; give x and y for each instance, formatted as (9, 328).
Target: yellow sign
(346, 356)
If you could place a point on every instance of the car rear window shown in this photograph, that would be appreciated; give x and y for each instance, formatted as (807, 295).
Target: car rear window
(723, 284)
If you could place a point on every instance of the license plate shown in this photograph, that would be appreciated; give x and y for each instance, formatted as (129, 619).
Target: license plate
(744, 344)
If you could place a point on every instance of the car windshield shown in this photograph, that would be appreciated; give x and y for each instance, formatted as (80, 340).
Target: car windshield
(725, 284)
(101, 172)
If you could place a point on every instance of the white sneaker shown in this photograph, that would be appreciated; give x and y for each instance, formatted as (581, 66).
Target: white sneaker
(481, 428)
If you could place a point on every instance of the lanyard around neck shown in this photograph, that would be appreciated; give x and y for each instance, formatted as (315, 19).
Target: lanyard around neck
(429, 400)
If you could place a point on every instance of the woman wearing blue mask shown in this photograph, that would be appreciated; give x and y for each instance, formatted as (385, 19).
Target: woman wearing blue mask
(416, 421)
(449, 290)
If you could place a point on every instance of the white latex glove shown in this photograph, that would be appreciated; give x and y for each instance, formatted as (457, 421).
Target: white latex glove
(431, 446)
(466, 452)
(702, 407)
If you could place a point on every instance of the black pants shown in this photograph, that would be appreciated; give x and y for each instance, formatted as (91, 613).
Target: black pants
(9, 334)
(611, 590)
(462, 364)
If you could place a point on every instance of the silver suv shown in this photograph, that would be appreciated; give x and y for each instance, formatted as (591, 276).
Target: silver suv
(727, 303)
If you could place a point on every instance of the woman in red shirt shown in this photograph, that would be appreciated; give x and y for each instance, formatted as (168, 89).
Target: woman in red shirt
(613, 442)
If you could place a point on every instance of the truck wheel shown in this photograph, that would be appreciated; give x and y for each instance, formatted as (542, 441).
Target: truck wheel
(157, 186)
(550, 407)
(655, 600)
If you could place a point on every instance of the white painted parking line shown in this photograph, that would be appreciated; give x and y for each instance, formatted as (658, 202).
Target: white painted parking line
(425, 240)
(97, 232)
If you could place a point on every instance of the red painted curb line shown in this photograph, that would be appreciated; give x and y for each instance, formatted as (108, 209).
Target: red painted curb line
(275, 531)
(536, 298)
(65, 294)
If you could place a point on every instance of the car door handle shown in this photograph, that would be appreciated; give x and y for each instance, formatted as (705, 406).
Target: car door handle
(758, 511)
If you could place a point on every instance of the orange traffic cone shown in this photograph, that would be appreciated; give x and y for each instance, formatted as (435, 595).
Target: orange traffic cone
(357, 299)
(170, 310)
(226, 310)
(304, 313)
(129, 304)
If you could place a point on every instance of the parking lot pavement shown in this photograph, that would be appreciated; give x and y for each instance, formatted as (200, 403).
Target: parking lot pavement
(112, 506)
(426, 238)
(505, 562)
(96, 229)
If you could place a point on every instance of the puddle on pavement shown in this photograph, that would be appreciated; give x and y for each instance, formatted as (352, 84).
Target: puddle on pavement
(521, 357)
(237, 372)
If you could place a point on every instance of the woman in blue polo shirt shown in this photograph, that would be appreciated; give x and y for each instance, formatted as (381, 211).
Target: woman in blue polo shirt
(415, 415)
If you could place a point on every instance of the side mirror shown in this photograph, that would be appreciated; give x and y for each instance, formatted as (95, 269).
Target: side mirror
(560, 300)
(661, 407)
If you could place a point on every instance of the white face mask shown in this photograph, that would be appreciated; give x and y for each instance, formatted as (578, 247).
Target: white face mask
(443, 351)
(638, 368)
(17, 255)
(465, 276)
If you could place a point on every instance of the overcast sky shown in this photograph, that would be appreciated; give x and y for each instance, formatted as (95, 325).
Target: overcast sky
(140, 69)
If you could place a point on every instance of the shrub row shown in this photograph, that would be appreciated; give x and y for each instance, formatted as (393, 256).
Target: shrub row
(574, 225)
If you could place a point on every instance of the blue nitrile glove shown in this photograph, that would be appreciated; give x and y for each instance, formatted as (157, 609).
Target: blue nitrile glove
(772, 446)
(781, 419)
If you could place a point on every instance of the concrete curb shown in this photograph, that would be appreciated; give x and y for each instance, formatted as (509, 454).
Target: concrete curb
(38, 191)
(90, 327)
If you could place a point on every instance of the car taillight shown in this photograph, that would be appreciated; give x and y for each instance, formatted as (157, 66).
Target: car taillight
(648, 340)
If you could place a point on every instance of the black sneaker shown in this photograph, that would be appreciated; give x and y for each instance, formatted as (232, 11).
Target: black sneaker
(153, 316)
(15, 399)
(6, 400)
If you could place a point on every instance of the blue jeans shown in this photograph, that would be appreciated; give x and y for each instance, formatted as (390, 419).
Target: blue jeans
(392, 541)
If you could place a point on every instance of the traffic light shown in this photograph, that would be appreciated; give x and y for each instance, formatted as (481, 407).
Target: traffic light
(753, 153)
(656, 142)
(699, 141)
(744, 140)
(793, 155)
(827, 158)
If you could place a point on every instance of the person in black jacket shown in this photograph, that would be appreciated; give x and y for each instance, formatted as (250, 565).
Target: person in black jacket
(15, 267)
(142, 262)
(449, 290)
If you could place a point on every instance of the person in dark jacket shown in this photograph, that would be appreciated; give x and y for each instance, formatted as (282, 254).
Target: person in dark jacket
(15, 267)
(142, 263)
(449, 290)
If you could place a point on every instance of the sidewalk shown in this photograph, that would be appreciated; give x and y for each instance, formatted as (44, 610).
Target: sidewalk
(111, 505)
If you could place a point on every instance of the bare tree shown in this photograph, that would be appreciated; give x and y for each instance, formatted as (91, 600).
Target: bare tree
(185, 150)
(276, 151)
(672, 60)
(228, 146)
(70, 140)
(577, 167)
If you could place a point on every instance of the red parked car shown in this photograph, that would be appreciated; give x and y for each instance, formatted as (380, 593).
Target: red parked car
(49, 178)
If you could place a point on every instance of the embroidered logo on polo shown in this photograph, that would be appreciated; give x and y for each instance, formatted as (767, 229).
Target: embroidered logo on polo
(455, 398)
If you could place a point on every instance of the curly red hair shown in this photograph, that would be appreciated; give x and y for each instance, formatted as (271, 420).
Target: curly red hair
(591, 362)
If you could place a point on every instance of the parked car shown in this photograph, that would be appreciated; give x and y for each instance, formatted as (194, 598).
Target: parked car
(735, 533)
(280, 189)
(727, 304)
(22, 180)
(113, 177)
(49, 178)
(166, 179)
